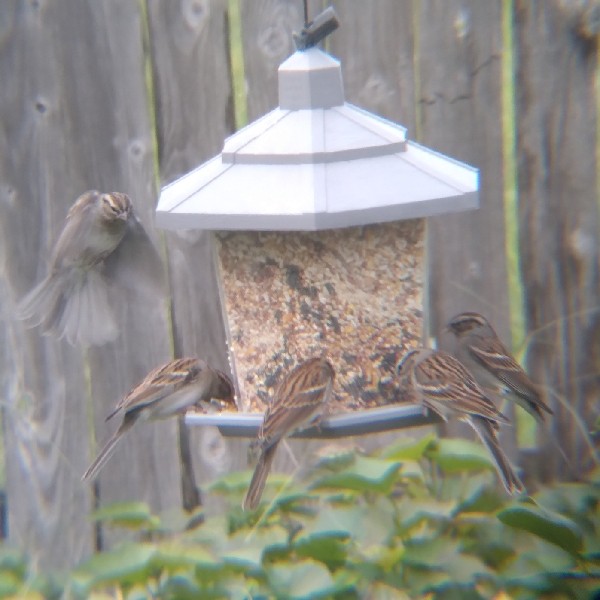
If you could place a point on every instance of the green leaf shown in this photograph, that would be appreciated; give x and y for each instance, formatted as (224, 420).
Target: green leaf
(488, 539)
(13, 561)
(420, 581)
(126, 564)
(412, 471)
(182, 586)
(133, 515)
(550, 526)
(478, 497)
(455, 591)
(466, 569)
(301, 579)
(413, 511)
(230, 483)
(336, 461)
(430, 553)
(366, 474)
(409, 448)
(331, 550)
(453, 455)
(384, 557)
(526, 571)
(174, 555)
(9, 584)
(245, 549)
(365, 524)
(381, 591)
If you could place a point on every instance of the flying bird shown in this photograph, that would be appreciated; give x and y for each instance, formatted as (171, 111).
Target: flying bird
(102, 248)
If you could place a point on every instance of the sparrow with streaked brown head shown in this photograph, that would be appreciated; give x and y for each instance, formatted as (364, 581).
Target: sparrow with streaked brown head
(102, 243)
(166, 391)
(442, 384)
(492, 365)
(300, 399)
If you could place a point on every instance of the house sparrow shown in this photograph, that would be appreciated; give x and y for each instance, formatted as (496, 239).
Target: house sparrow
(299, 399)
(166, 391)
(444, 385)
(102, 243)
(486, 357)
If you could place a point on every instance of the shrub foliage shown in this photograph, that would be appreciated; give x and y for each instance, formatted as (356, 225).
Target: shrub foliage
(423, 518)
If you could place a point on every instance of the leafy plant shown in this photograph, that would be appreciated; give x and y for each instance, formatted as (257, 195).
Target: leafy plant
(422, 518)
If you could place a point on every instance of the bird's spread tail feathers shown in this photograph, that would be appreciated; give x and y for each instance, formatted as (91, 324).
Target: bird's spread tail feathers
(73, 305)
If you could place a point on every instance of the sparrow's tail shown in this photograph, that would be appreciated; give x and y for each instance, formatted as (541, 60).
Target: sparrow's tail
(259, 479)
(107, 451)
(485, 430)
(72, 304)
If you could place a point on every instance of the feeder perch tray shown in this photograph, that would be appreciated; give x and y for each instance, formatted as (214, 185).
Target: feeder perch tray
(374, 420)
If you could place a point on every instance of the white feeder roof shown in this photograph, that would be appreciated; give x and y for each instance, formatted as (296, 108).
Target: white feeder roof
(316, 162)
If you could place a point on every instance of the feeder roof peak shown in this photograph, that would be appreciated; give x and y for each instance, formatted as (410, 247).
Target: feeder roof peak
(316, 162)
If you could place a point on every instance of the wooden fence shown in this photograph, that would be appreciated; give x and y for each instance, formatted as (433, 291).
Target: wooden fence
(126, 96)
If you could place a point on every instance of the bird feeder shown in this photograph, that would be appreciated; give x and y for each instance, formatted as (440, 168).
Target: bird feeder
(319, 212)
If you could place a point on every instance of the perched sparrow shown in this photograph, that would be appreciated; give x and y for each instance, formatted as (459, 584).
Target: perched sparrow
(482, 352)
(102, 243)
(445, 386)
(299, 399)
(165, 392)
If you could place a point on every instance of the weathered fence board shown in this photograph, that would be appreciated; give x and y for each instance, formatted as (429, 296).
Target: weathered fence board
(80, 112)
(44, 410)
(193, 88)
(145, 466)
(458, 59)
(559, 216)
(375, 44)
(459, 98)
(266, 27)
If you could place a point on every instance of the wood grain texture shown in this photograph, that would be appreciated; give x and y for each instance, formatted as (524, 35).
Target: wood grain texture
(459, 63)
(267, 27)
(110, 33)
(559, 217)
(193, 91)
(44, 392)
(375, 43)
(80, 121)
(458, 58)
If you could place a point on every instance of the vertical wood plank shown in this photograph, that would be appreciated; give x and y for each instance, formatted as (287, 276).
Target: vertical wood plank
(375, 44)
(80, 120)
(267, 27)
(44, 391)
(559, 218)
(193, 92)
(459, 104)
(459, 111)
(110, 33)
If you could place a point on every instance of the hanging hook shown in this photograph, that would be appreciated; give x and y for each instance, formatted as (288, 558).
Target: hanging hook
(317, 29)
